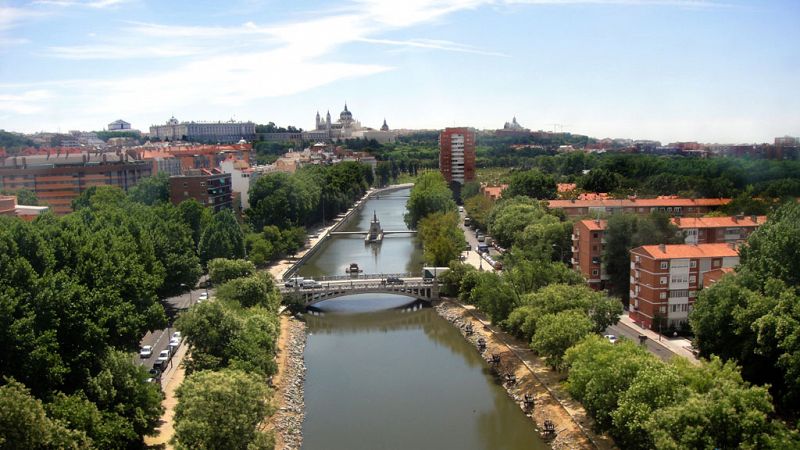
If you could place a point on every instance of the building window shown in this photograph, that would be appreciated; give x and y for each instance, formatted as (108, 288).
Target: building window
(663, 309)
(185, 194)
(595, 235)
(595, 272)
(663, 280)
(692, 279)
(662, 295)
(693, 264)
(716, 263)
(692, 293)
(664, 264)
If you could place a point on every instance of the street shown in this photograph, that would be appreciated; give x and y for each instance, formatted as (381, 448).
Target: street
(159, 339)
(621, 330)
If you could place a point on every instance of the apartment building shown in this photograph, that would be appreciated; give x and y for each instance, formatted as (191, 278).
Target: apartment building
(9, 207)
(59, 177)
(711, 230)
(674, 206)
(588, 246)
(588, 240)
(664, 280)
(212, 190)
(457, 154)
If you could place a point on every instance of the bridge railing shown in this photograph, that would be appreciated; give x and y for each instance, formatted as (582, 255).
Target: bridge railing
(366, 276)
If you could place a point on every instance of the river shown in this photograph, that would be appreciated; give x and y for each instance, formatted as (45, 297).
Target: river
(383, 374)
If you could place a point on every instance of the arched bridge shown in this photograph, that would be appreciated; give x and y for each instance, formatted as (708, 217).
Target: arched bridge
(340, 286)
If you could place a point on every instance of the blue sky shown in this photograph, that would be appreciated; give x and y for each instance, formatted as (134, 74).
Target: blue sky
(712, 71)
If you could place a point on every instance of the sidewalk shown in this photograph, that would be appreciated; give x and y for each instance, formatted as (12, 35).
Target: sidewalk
(677, 345)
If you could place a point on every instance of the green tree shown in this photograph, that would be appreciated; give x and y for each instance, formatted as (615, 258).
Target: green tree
(24, 424)
(600, 180)
(442, 239)
(558, 332)
(510, 217)
(196, 216)
(24, 196)
(253, 290)
(451, 280)
(478, 208)
(430, 194)
(223, 238)
(531, 183)
(384, 172)
(222, 270)
(281, 199)
(493, 296)
(220, 410)
(151, 190)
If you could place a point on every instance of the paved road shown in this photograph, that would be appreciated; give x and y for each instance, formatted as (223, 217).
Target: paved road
(622, 330)
(159, 339)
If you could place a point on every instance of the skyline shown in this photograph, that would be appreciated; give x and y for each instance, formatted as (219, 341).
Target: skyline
(668, 70)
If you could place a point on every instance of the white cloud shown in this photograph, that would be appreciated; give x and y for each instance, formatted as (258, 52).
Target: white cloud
(435, 44)
(97, 4)
(28, 102)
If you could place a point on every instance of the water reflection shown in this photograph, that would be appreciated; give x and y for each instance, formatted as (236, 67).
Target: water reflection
(402, 378)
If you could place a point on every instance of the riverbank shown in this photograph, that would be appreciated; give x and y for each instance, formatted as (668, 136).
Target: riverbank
(533, 376)
(288, 382)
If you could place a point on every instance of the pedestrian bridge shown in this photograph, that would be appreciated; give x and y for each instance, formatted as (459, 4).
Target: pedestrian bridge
(340, 286)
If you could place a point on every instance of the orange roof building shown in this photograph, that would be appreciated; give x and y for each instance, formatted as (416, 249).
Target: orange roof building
(672, 206)
(664, 280)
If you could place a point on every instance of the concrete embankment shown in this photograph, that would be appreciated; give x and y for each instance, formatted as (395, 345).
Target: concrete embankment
(573, 426)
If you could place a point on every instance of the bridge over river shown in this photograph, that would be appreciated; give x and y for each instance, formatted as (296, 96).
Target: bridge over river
(339, 286)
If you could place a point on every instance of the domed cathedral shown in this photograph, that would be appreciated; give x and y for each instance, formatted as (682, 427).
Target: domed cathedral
(346, 128)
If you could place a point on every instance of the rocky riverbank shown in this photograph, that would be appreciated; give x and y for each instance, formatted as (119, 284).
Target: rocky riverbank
(287, 422)
(527, 375)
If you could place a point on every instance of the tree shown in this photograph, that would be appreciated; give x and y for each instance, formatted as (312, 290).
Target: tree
(442, 239)
(282, 199)
(253, 290)
(478, 208)
(384, 172)
(151, 190)
(451, 280)
(223, 238)
(430, 194)
(510, 217)
(558, 332)
(493, 296)
(24, 196)
(600, 180)
(222, 270)
(600, 372)
(531, 183)
(220, 410)
(196, 216)
(771, 251)
(24, 424)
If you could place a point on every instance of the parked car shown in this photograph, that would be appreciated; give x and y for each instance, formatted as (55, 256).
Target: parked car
(155, 372)
(163, 356)
(146, 351)
(481, 238)
(393, 280)
(611, 338)
(176, 335)
(203, 297)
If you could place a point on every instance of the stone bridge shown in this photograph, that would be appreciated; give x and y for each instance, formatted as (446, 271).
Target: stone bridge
(333, 287)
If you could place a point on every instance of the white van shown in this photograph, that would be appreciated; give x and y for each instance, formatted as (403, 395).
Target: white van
(294, 282)
(308, 283)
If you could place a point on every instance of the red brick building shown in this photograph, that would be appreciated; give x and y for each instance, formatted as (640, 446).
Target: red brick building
(58, 178)
(212, 190)
(588, 239)
(665, 280)
(674, 206)
(457, 154)
(588, 246)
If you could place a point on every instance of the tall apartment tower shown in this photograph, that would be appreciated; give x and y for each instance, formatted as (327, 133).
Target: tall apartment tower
(457, 154)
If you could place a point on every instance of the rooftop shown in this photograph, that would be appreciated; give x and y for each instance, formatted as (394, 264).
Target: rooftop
(686, 251)
(638, 202)
(719, 222)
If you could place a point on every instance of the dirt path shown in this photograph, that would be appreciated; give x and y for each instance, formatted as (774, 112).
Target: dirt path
(573, 425)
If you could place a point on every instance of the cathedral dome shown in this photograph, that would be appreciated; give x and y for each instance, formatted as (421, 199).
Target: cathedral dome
(345, 115)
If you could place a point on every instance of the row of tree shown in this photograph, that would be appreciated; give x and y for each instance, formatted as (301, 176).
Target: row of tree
(77, 293)
(232, 339)
(432, 210)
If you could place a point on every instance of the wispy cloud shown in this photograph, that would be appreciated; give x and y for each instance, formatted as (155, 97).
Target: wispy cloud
(28, 102)
(97, 4)
(434, 44)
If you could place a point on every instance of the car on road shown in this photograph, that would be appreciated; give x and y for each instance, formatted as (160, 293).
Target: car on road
(461, 209)
(393, 280)
(146, 351)
(308, 283)
(611, 338)
(481, 238)
(176, 335)
(163, 356)
(294, 282)
(174, 344)
(203, 297)
(155, 372)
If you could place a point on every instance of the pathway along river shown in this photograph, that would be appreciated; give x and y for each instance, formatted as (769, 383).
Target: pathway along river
(386, 375)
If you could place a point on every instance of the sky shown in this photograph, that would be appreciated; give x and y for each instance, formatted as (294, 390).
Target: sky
(722, 71)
